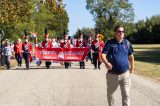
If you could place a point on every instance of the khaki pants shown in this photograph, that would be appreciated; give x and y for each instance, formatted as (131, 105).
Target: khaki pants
(113, 81)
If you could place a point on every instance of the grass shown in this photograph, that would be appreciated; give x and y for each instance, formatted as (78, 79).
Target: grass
(147, 60)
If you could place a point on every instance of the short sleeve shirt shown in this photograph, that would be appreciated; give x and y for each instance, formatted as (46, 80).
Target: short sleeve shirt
(117, 54)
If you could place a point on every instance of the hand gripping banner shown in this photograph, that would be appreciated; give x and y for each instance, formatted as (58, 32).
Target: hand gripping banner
(61, 54)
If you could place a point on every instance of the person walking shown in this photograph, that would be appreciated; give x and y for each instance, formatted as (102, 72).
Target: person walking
(89, 55)
(66, 44)
(27, 49)
(97, 47)
(18, 52)
(47, 44)
(81, 44)
(117, 55)
(7, 53)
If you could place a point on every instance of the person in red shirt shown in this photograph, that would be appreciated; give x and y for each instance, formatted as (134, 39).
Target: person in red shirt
(27, 49)
(80, 44)
(66, 44)
(18, 52)
(97, 47)
(47, 44)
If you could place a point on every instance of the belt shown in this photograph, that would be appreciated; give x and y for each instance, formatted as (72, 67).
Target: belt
(116, 73)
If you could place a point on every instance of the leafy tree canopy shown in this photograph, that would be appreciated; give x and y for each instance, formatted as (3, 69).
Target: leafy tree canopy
(108, 13)
(33, 15)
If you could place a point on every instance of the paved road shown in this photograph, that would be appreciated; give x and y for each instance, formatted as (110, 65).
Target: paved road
(73, 87)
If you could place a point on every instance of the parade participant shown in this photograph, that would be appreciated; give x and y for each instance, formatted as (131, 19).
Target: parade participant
(27, 49)
(80, 44)
(3, 44)
(34, 36)
(47, 44)
(7, 53)
(18, 52)
(97, 47)
(70, 42)
(71, 46)
(54, 43)
(89, 55)
(74, 41)
(65, 44)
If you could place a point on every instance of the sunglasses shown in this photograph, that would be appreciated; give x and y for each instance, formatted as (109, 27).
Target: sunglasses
(120, 31)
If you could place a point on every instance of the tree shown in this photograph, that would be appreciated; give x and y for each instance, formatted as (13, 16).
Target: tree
(145, 31)
(33, 15)
(108, 13)
(51, 14)
(87, 32)
(16, 10)
(14, 13)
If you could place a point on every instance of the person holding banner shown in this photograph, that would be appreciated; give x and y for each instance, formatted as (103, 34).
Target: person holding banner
(81, 44)
(65, 44)
(47, 44)
(27, 49)
(97, 47)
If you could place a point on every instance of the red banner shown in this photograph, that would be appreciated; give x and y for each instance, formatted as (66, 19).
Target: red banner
(61, 54)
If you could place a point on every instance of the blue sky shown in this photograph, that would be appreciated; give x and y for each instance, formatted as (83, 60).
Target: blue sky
(80, 17)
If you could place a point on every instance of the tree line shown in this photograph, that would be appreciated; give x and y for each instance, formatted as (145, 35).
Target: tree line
(34, 16)
(145, 31)
(109, 13)
(142, 32)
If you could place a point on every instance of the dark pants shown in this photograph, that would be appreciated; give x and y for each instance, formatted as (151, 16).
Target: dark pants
(82, 64)
(66, 64)
(19, 59)
(26, 57)
(48, 63)
(7, 61)
(95, 59)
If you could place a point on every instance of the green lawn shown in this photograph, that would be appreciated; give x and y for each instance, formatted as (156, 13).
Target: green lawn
(147, 60)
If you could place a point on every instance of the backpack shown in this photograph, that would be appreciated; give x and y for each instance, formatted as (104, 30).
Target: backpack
(128, 44)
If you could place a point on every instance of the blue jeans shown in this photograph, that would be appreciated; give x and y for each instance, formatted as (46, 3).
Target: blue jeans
(7, 60)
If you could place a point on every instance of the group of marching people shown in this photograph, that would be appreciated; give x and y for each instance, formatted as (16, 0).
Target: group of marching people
(24, 49)
(19, 49)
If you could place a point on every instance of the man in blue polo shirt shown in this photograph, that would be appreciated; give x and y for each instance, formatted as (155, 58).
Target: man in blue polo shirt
(117, 55)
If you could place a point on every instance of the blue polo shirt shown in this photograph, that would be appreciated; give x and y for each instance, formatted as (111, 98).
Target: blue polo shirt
(117, 54)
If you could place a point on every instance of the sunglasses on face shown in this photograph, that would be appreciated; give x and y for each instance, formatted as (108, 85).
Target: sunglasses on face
(120, 31)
